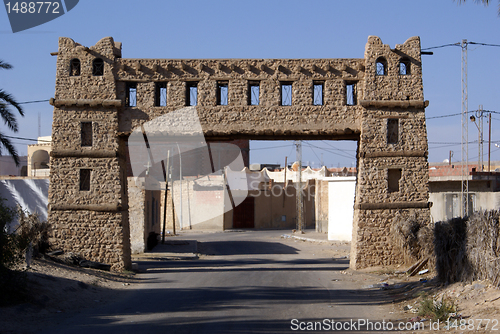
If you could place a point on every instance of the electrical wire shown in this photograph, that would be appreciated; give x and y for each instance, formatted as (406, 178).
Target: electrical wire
(38, 101)
(29, 139)
(314, 152)
(458, 114)
(485, 44)
(441, 46)
(267, 148)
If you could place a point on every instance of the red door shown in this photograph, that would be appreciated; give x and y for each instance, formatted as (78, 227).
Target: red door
(243, 214)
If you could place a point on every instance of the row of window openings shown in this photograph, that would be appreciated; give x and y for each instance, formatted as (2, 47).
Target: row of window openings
(97, 67)
(253, 94)
(381, 66)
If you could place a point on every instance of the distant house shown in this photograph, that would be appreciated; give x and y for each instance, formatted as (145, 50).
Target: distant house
(8, 166)
(39, 157)
(445, 189)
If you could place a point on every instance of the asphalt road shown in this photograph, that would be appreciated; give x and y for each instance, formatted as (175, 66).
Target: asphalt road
(243, 282)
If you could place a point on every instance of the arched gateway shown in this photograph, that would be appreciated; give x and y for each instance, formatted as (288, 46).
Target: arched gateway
(376, 100)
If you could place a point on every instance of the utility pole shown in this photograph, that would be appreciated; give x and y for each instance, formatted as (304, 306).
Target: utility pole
(465, 133)
(165, 176)
(180, 185)
(284, 182)
(489, 143)
(480, 137)
(300, 218)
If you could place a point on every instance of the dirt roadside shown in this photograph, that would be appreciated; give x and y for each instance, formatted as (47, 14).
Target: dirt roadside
(55, 291)
(58, 291)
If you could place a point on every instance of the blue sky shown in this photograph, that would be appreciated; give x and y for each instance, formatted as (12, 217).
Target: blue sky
(274, 29)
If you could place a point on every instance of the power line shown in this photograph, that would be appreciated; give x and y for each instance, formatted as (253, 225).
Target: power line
(485, 44)
(37, 101)
(314, 152)
(458, 44)
(457, 114)
(332, 152)
(29, 139)
(267, 148)
(441, 46)
(336, 148)
(443, 116)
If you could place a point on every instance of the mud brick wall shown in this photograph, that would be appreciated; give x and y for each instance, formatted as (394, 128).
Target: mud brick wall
(386, 117)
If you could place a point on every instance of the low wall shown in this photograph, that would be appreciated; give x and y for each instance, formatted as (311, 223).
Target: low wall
(31, 194)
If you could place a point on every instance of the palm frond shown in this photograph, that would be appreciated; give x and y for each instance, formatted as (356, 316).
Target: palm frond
(8, 117)
(485, 2)
(10, 100)
(5, 142)
(5, 65)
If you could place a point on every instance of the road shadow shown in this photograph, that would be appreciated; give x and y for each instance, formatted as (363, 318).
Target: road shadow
(243, 264)
(242, 247)
(202, 310)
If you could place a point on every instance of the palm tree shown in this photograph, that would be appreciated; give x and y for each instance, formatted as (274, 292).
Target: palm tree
(6, 101)
(484, 2)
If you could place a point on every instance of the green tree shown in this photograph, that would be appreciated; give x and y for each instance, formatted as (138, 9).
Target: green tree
(6, 102)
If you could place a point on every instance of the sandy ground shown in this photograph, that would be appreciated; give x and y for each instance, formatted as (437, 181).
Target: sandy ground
(61, 290)
(477, 303)
(57, 289)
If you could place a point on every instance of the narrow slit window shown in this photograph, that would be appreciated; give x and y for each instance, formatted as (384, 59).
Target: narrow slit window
(393, 177)
(381, 66)
(351, 96)
(86, 133)
(253, 93)
(131, 94)
(153, 212)
(318, 93)
(85, 175)
(286, 93)
(404, 67)
(98, 67)
(392, 131)
(222, 93)
(74, 70)
(161, 94)
(191, 93)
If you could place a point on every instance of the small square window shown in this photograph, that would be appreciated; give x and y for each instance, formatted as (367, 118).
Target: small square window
(222, 93)
(74, 67)
(98, 67)
(318, 93)
(191, 93)
(86, 133)
(131, 94)
(161, 94)
(393, 177)
(85, 179)
(253, 93)
(286, 93)
(392, 131)
(351, 96)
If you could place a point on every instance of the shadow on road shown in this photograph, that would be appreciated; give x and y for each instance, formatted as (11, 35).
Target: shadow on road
(242, 247)
(202, 310)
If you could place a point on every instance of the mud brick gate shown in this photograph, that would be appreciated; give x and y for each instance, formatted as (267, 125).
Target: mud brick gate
(101, 97)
